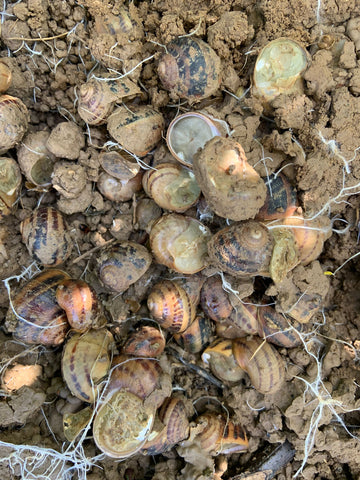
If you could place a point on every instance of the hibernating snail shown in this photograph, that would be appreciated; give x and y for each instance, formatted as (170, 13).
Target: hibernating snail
(14, 119)
(119, 165)
(145, 342)
(5, 77)
(10, 184)
(46, 236)
(119, 190)
(196, 336)
(221, 361)
(231, 186)
(190, 69)
(281, 199)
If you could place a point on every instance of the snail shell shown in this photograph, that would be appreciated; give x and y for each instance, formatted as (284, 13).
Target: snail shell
(123, 264)
(192, 285)
(170, 306)
(175, 427)
(196, 336)
(10, 184)
(145, 342)
(146, 213)
(118, 190)
(217, 435)
(281, 199)
(39, 319)
(214, 300)
(243, 249)
(190, 69)
(261, 362)
(230, 185)
(137, 130)
(180, 243)
(172, 187)
(74, 423)
(220, 358)
(305, 307)
(115, 24)
(86, 361)
(5, 77)
(46, 236)
(119, 165)
(14, 119)
(277, 329)
(35, 160)
(79, 300)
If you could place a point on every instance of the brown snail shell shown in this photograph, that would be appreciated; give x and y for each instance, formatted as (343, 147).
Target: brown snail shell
(14, 119)
(79, 300)
(214, 300)
(118, 190)
(74, 423)
(123, 264)
(5, 77)
(192, 285)
(305, 307)
(196, 336)
(190, 69)
(10, 184)
(220, 358)
(119, 165)
(175, 427)
(146, 213)
(180, 243)
(39, 319)
(97, 97)
(172, 187)
(281, 199)
(189, 132)
(170, 306)
(115, 24)
(219, 435)
(86, 361)
(46, 236)
(230, 185)
(137, 130)
(277, 329)
(145, 342)
(261, 362)
(35, 160)
(243, 249)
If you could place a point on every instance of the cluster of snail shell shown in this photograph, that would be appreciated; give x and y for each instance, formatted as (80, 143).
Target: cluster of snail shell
(266, 235)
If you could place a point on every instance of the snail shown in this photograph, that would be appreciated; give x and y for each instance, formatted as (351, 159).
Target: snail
(189, 132)
(221, 361)
(145, 342)
(190, 69)
(14, 119)
(35, 317)
(180, 243)
(123, 264)
(281, 199)
(119, 165)
(46, 236)
(137, 129)
(10, 184)
(230, 185)
(86, 361)
(119, 190)
(172, 187)
(196, 336)
(5, 77)
(146, 213)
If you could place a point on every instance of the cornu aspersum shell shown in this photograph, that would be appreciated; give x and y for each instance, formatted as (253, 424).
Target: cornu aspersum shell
(123, 264)
(5, 77)
(196, 336)
(172, 187)
(14, 119)
(214, 300)
(119, 165)
(39, 319)
(137, 129)
(220, 358)
(281, 199)
(46, 236)
(10, 184)
(231, 186)
(190, 69)
(86, 361)
(119, 190)
(180, 243)
(145, 342)
(243, 249)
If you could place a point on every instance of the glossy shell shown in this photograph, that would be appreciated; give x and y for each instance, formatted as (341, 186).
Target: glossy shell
(231, 187)
(118, 190)
(145, 342)
(196, 336)
(137, 129)
(119, 165)
(220, 358)
(46, 236)
(86, 361)
(10, 184)
(170, 306)
(40, 320)
(189, 132)
(277, 329)
(305, 307)
(79, 300)
(122, 265)
(261, 362)
(35, 160)
(281, 199)
(14, 119)
(172, 187)
(243, 249)
(5, 77)
(180, 243)
(190, 69)
(214, 300)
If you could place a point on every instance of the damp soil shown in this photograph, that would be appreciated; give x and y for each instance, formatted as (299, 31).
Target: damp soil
(312, 136)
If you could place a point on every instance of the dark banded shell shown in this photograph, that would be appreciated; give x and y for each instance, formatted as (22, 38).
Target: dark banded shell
(145, 342)
(214, 300)
(221, 361)
(170, 306)
(5, 77)
(196, 336)
(281, 199)
(10, 184)
(277, 329)
(14, 119)
(190, 69)
(243, 249)
(86, 361)
(46, 236)
(119, 165)
(40, 319)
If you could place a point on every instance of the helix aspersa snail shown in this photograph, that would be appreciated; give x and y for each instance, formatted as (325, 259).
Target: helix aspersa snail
(14, 119)
(119, 165)
(196, 336)
(281, 199)
(5, 77)
(10, 184)
(119, 190)
(145, 342)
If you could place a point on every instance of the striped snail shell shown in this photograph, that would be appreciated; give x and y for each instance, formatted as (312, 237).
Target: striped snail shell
(145, 342)
(277, 329)
(5, 77)
(119, 165)
(170, 306)
(86, 361)
(190, 69)
(119, 190)
(46, 236)
(214, 300)
(172, 187)
(14, 119)
(281, 198)
(243, 249)
(39, 319)
(10, 184)
(220, 358)
(196, 336)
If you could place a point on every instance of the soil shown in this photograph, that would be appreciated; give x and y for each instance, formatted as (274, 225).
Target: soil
(52, 48)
